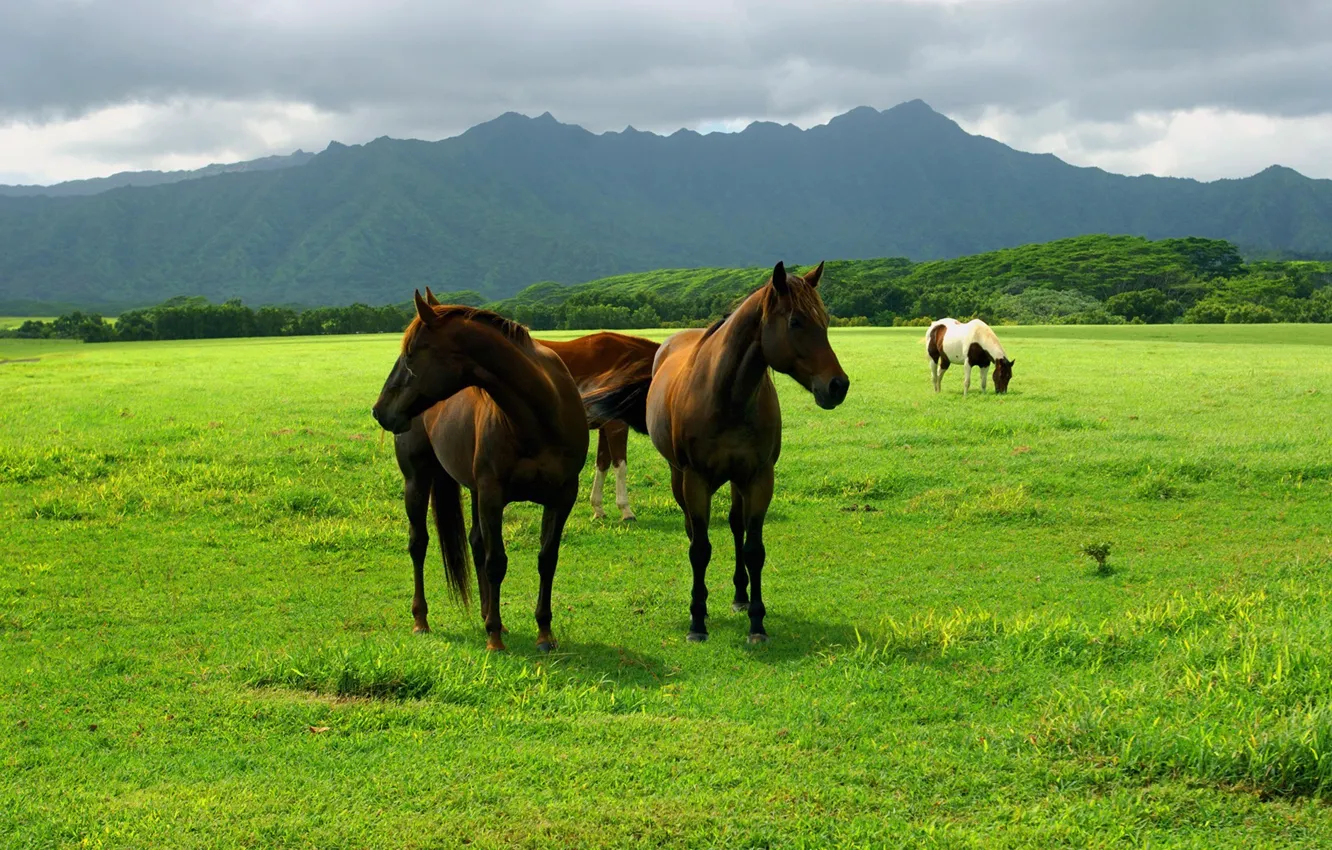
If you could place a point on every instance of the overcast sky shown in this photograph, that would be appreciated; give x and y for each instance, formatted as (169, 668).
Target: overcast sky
(1195, 88)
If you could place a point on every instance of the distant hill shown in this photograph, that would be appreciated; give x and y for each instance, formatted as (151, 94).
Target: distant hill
(94, 185)
(519, 200)
(1093, 278)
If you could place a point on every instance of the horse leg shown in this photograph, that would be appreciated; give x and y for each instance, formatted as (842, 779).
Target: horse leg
(491, 514)
(934, 373)
(737, 519)
(966, 384)
(618, 440)
(599, 477)
(757, 497)
(552, 529)
(697, 506)
(983, 371)
(479, 561)
(938, 382)
(416, 494)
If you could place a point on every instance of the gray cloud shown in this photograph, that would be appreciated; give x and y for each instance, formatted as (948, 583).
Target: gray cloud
(435, 68)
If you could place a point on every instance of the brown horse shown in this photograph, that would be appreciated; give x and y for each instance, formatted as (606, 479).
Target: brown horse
(711, 410)
(593, 360)
(475, 402)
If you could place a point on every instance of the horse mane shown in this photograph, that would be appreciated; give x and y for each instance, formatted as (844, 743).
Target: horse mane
(515, 331)
(712, 328)
(804, 298)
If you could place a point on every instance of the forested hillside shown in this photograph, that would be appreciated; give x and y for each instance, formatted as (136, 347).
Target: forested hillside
(1086, 280)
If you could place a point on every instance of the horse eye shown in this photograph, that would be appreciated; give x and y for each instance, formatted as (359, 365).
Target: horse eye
(796, 324)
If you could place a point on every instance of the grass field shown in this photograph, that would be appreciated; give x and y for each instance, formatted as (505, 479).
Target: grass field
(205, 635)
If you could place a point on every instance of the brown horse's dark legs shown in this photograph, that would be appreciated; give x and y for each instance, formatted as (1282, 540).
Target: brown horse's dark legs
(737, 520)
(490, 512)
(475, 540)
(758, 496)
(552, 529)
(416, 493)
(697, 507)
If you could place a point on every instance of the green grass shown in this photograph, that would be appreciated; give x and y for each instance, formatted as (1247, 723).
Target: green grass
(205, 635)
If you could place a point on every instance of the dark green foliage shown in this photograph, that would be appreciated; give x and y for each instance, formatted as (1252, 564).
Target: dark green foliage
(1149, 306)
(1098, 552)
(1092, 279)
(518, 200)
(1054, 283)
(195, 318)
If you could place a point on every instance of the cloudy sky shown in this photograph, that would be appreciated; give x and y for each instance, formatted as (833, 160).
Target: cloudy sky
(1195, 88)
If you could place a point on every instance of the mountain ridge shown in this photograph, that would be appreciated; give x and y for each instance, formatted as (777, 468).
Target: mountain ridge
(516, 200)
(121, 179)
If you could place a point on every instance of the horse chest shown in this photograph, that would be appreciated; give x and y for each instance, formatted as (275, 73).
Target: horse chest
(730, 455)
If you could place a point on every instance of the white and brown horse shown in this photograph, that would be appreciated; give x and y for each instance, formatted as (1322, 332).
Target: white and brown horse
(970, 343)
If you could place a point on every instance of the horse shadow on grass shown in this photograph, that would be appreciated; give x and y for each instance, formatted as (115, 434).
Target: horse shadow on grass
(583, 660)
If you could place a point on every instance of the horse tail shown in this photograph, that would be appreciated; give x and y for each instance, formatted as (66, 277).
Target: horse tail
(626, 401)
(446, 502)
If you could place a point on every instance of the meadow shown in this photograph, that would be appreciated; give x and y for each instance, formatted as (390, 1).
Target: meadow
(205, 635)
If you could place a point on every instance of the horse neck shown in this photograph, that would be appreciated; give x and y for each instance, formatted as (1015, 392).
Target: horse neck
(989, 342)
(511, 376)
(736, 349)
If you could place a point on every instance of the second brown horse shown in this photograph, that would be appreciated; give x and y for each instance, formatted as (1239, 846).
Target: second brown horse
(593, 360)
(711, 409)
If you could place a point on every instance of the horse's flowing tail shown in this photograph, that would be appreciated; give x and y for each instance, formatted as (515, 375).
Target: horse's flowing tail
(446, 502)
(626, 401)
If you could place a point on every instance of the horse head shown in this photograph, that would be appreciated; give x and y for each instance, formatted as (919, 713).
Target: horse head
(430, 368)
(1003, 373)
(795, 335)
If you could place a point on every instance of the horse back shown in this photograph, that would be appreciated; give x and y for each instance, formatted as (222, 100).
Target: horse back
(589, 358)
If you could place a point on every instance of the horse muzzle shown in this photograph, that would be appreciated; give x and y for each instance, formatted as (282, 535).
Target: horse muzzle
(828, 395)
(391, 421)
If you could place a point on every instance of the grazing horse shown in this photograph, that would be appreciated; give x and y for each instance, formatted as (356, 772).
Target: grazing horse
(475, 402)
(591, 360)
(974, 344)
(711, 409)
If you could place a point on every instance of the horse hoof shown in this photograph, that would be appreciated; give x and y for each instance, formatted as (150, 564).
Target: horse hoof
(739, 606)
(420, 629)
(697, 637)
(629, 518)
(758, 637)
(494, 644)
(546, 646)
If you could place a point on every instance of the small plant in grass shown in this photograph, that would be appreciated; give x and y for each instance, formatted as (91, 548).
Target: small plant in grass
(1098, 552)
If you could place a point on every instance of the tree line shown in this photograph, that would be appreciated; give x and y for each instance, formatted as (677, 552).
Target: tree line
(1084, 280)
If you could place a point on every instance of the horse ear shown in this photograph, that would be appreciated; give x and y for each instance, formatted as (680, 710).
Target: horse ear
(430, 298)
(424, 310)
(812, 276)
(779, 279)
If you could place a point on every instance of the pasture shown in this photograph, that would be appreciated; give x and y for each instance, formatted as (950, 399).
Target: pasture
(206, 639)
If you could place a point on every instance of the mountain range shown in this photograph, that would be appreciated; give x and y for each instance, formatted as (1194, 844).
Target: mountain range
(94, 185)
(520, 200)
